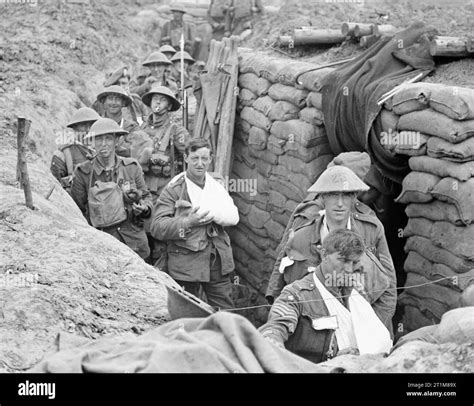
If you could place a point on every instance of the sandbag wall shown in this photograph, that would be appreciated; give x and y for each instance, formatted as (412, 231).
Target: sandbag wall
(434, 125)
(280, 147)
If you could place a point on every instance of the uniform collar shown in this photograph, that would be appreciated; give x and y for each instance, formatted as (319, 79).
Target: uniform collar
(160, 121)
(98, 168)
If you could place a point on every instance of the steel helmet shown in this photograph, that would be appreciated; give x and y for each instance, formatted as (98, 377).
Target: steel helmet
(156, 57)
(83, 115)
(167, 48)
(105, 126)
(338, 178)
(177, 57)
(117, 90)
(178, 7)
(163, 90)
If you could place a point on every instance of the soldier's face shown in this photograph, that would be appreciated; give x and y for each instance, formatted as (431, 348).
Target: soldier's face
(160, 104)
(80, 131)
(177, 15)
(198, 162)
(157, 69)
(338, 205)
(339, 265)
(113, 104)
(104, 145)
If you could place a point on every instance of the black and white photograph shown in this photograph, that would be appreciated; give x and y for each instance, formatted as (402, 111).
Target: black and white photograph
(237, 186)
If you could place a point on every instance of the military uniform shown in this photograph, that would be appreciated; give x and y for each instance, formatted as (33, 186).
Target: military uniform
(66, 159)
(291, 320)
(200, 254)
(302, 250)
(127, 173)
(156, 177)
(171, 34)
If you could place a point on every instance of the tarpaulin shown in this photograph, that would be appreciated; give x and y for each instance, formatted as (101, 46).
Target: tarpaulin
(222, 342)
(350, 94)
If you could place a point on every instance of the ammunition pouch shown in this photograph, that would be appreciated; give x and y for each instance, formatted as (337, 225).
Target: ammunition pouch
(160, 164)
(66, 182)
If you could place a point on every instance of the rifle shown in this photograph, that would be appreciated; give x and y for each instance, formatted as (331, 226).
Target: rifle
(184, 94)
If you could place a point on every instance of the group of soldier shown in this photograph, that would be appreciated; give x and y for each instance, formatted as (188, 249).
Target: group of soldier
(137, 174)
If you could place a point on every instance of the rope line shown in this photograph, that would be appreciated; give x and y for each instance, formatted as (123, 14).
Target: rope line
(372, 291)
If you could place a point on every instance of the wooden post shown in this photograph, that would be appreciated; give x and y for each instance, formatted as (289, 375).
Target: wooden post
(22, 134)
(363, 29)
(449, 46)
(470, 44)
(306, 36)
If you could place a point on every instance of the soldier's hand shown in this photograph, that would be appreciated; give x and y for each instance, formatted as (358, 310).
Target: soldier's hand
(150, 80)
(139, 208)
(195, 219)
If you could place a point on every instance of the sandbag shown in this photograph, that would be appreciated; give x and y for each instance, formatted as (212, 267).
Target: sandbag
(264, 104)
(264, 168)
(418, 226)
(283, 111)
(242, 171)
(418, 264)
(300, 132)
(311, 170)
(274, 229)
(434, 123)
(452, 101)
(461, 152)
(312, 116)
(264, 155)
(288, 74)
(241, 240)
(442, 294)
(243, 125)
(417, 314)
(257, 217)
(426, 248)
(358, 162)
(411, 148)
(241, 204)
(313, 80)
(458, 240)
(252, 82)
(277, 200)
(442, 168)
(413, 97)
(436, 211)
(460, 194)
(246, 97)
(279, 147)
(288, 189)
(258, 138)
(255, 118)
(417, 187)
(315, 99)
(289, 94)
(457, 326)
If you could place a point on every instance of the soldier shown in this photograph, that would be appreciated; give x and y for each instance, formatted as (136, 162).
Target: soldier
(160, 75)
(172, 30)
(188, 60)
(337, 187)
(168, 140)
(167, 50)
(328, 312)
(110, 189)
(190, 216)
(68, 156)
(137, 111)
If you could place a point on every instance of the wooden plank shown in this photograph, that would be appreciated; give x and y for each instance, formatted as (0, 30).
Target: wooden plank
(347, 29)
(384, 29)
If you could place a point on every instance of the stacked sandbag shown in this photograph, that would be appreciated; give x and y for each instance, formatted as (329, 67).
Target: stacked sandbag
(435, 127)
(280, 147)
